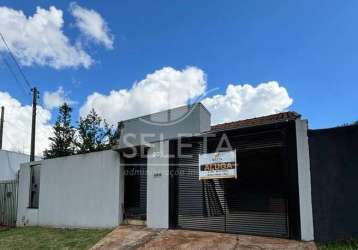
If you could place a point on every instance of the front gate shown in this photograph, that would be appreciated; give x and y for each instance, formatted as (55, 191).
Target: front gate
(254, 203)
(8, 203)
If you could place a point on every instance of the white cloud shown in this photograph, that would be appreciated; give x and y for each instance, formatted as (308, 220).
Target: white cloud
(17, 126)
(163, 89)
(56, 99)
(246, 101)
(92, 25)
(167, 88)
(39, 39)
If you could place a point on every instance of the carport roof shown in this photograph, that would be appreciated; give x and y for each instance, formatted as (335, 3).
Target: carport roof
(263, 120)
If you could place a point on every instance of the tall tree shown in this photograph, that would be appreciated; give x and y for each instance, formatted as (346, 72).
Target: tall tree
(115, 134)
(94, 133)
(63, 141)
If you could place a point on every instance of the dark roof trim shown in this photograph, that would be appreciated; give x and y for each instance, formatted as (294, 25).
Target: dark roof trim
(263, 120)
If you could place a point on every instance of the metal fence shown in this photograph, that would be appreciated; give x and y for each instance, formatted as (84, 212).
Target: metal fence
(8, 202)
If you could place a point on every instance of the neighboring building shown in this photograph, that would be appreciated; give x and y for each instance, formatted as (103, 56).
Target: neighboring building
(172, 169)
(9, 168)
(10, 164)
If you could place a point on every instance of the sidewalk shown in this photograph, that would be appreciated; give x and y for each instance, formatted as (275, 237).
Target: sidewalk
(139, 237)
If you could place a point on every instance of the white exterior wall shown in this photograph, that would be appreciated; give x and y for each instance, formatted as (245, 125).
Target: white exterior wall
(304, 181)
(158, 185)
(75, 191)
(10, 164)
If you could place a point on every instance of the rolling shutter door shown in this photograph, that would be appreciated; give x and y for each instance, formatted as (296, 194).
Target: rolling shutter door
(191, 193)
(255, 203)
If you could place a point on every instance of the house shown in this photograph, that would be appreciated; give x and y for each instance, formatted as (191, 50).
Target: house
(172, 169)
(9, 168)
(10, 164)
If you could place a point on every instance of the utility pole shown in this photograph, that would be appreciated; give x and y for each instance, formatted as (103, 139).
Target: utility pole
(35, 95)
(1, 125)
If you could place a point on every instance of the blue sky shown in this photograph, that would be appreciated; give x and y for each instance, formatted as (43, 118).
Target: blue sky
(308, 47)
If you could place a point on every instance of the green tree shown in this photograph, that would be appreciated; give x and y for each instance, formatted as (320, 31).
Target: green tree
(115, 134)
(63, 139)
(94, 133)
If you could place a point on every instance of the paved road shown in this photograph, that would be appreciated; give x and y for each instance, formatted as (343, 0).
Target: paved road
(139, 237)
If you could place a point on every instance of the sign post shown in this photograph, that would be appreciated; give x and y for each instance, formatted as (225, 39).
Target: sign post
(218, 165)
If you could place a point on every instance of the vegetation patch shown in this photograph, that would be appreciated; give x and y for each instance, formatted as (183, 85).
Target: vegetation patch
(339, 245)
(50, 238)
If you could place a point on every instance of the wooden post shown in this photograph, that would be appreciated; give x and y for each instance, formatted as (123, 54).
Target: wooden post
(1, 125)
(35, 94)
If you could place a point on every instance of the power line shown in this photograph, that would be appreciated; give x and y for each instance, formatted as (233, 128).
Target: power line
(35, 96)
(17, 64)
(13, 74)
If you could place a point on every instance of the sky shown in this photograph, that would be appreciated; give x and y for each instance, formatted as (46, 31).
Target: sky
(242, 59)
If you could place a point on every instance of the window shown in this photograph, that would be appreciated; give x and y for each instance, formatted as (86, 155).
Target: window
(34, 186)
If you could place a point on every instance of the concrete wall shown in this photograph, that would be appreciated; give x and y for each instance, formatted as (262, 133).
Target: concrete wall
(304, 181)
(190, 120)
(158, 186)
(76, 191)
(10, 164)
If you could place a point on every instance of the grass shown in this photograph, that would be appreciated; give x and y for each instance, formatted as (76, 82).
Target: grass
(339, 245)
(49, 238)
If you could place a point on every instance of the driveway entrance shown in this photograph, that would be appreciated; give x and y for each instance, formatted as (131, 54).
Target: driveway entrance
(135, 237)
(257, 202)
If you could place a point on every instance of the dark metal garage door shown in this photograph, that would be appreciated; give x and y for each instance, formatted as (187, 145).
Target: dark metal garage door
(254, 203)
